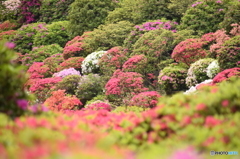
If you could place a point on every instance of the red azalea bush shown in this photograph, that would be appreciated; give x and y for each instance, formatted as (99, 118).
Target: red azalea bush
(73, 47)
(7, 34)
(73, 62)
(226, 74)
(124, 85)
(112, 60)
(98, 105)
(189, 51)
(41, 88)
(136, 63)
(145, 99)
(38, 70)
(60, 101)
(7, 25)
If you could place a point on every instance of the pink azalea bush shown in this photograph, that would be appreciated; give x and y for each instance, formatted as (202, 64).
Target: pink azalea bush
(98, 105)
(145, 99)
(136, 63)
(226, 74)
(72, 62)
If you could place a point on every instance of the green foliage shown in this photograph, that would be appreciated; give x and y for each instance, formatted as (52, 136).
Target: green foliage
(204, 16)
(232, 16)
(107, 36)
(12, 78)
(89, 86)
(100, 97)
(25, 36)
(229, 55)
(69, 84)
(39, 54)
(140, 11)
(54, 33)
(85, 15)
(54, 10)
(172, 78)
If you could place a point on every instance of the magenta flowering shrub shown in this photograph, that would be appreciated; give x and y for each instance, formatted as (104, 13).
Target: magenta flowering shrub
(29, 11)
(226, 74)
(98, 105)
(123, 85)
(38, 70)
(139, 30)
(136, 63)
(172, 79)
(189, 51)
(145, 99)
(25, 36)
(66, 72)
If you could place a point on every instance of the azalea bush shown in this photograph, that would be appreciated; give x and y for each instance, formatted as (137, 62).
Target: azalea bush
(204, 16)
(229, 55)
(66, 72)
(54, 33)
(145, 99)
(213, 69)
(107, 36)
(226, 74)
(38, 70)
(25, 36)
(53, 62)
(197, 72)
(96, 12)
(9, 9)
(7, 35)
(73, 62)
(98, 105)
(7, 25)
(189, 51)
(39, 54)
(54, 10)
(13, 98)
(90, 63)
(88, 87)
(172, 78)
(136, 63)
(69, 84)
(60, 101)
(123, 85)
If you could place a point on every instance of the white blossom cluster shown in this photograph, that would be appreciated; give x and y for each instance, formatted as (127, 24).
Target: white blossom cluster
(12, 5)
(90, 63)
(213, 69)
(67, 72)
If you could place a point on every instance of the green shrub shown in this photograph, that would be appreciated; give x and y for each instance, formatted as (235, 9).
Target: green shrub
(54, 10)
(140, 11)
(39, 54)
(127, 109)
(107, 36)
(69, 84)
(25, 36)
(229, 55)
(89, 86)
(13, 98)
(53, 62)
(172, 78)
(54, 33)
(197, 72)
(204, 16)
(85, 15)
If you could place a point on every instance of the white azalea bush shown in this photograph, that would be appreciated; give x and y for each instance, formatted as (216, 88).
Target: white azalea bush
(197, 72)
(90, 63)
(213, 69)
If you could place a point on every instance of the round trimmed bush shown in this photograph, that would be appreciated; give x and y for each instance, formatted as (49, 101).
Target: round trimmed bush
(89, 86)
(136, 63)
(54, 10)
(172, 79)
(106, 36)
(69, 84)
(53, 62)
(204, 16)
(85, 15)
(213, 69)
(73, 62)
(66, 72)
(197, 72)
(226, 74)
(90, 63)
(25, 36)
(39, 54)
(145, 99)
(54, 33)
(229, 55)
(13, 98)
